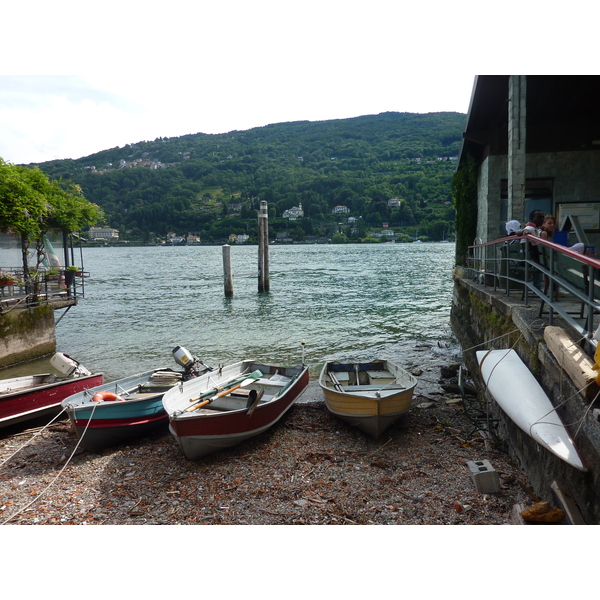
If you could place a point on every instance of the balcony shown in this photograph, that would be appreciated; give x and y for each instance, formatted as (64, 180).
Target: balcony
(40, 289)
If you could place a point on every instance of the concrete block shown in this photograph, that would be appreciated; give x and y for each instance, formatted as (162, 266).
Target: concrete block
(484, 476)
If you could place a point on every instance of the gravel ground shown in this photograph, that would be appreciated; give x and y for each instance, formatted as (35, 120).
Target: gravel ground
(311, 468)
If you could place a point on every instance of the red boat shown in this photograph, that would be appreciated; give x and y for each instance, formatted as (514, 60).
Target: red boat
(221, 409)
(33, 396)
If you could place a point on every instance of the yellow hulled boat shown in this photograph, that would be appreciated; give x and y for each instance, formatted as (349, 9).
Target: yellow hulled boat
(370, 396)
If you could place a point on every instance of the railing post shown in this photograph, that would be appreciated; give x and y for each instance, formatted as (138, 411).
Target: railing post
(590, 315)
(526, 277)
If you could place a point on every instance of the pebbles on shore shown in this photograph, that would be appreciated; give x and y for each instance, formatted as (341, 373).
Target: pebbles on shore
(310, 468)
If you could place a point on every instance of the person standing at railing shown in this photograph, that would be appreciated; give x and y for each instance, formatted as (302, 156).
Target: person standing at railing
(511, 231)
(549, 227)
(533, 229)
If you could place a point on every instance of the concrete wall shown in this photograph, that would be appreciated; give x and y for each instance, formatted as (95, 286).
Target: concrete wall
(482, 319)
(26, 336)
(575, 176)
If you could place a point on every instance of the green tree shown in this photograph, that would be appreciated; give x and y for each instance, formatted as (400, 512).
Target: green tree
(31, 205)
(339, 238)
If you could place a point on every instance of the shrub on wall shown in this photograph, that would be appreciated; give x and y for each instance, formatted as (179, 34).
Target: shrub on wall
(464, 194)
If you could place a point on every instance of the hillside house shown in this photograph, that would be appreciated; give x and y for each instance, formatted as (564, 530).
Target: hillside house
(340, 210)
(294, 213)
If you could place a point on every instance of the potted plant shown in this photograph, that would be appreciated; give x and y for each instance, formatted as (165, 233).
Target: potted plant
(6, 278)
(70, 273)
(52, 275)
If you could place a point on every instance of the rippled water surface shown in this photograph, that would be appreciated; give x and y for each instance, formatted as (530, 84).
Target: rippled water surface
(346, 301)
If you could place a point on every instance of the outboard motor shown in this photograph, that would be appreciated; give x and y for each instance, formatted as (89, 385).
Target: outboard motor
(192, 365)
(68, 366)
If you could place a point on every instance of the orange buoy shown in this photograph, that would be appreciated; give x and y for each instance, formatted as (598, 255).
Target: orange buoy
(108, 396)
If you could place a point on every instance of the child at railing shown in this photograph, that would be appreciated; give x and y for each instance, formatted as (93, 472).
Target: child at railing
(548, 228)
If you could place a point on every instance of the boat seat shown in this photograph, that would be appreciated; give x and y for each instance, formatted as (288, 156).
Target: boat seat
(207, 411)
(141, 395)
(271, 382)
(358, 388)
(341, 376)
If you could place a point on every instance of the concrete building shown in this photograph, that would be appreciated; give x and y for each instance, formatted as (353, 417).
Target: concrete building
(103, 233)
(340, 210)
(536, 142)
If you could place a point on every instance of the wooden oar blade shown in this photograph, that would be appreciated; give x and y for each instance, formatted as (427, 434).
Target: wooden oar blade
(230, 387)
(254, 375)
(253, 401)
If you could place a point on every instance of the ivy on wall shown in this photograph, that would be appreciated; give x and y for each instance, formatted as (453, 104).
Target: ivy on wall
(464, 195)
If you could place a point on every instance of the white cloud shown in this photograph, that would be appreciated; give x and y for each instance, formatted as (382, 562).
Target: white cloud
(68, 117)
(148, 70)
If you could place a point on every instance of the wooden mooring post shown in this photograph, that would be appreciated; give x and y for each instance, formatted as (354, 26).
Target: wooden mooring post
(227, 277)
(263, 248)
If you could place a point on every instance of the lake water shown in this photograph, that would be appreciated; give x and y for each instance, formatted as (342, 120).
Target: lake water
(352, 302)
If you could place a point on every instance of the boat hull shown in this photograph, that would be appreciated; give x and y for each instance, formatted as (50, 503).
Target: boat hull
(371, 407)
(42, 400)
(524, 401)
(205, 431)
(100, 425)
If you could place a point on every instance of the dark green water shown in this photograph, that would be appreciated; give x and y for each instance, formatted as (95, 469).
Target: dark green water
(351, 302)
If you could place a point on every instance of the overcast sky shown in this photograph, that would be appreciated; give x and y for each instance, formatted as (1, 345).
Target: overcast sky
(107, 74)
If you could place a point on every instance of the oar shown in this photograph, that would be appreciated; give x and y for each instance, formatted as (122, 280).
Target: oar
(227, 385)
(253, 400)
(234, 385)
(336, 383)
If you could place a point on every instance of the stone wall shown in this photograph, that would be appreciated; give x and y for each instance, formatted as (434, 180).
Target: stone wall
(490, 225)
(482, 319)
(575, 177)
(26, 335)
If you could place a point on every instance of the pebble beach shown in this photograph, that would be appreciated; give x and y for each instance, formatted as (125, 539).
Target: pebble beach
(309, 469)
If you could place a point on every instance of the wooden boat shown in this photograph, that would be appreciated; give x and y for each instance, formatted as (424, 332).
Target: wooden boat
(113, 413)
(33, 396)
(370, 396)
(521, 397)
(221, 409)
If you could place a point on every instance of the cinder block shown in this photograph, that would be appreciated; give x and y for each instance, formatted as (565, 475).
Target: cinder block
(484, 476)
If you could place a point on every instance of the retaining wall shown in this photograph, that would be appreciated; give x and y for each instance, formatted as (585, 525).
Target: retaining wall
(26, 335)
(482, 319)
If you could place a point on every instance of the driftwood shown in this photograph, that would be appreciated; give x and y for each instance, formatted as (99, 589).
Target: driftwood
(573, 360)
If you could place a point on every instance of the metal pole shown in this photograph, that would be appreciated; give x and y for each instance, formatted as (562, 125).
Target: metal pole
(227, 277)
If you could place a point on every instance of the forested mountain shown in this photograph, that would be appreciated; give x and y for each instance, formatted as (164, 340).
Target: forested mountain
(211, 184)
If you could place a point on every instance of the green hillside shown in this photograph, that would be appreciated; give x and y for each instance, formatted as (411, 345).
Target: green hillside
(211, 185)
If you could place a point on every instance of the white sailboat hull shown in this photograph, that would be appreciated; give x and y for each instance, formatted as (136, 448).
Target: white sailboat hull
(522, 398)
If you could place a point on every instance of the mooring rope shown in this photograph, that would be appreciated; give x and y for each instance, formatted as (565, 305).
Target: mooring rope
(40, 432)
(58, 474)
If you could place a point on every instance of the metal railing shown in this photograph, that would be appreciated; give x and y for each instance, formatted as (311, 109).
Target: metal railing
(40, 288)
(560, 278)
